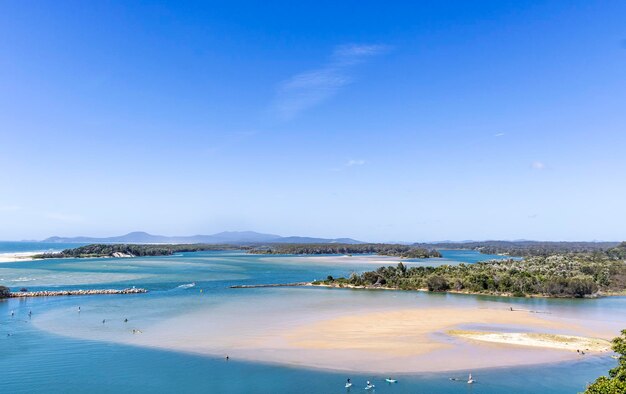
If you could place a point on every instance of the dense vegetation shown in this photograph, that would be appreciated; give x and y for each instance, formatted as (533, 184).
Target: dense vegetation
(570, 275)
(615, 383)
(4, 292)
(403, 251)
(525, 248)
(618, 252)
(109, 250)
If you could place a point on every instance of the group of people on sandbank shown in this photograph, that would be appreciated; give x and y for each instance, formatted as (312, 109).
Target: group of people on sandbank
(134, 331)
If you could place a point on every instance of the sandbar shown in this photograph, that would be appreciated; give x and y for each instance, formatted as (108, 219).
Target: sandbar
(397, 341)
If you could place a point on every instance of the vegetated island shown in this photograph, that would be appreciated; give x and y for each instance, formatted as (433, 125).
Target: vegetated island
(398, 250)
(135, 250)
(523, 248)
(571, 275)
(132, 250)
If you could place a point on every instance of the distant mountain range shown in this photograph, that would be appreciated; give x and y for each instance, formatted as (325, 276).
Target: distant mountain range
(226, 237)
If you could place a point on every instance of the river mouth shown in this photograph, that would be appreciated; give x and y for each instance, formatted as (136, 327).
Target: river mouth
(278, 338)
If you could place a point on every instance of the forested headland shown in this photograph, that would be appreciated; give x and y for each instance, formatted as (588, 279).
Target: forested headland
(136, 250)
(132, 250)
(523, 248)
(398, 250)
(560, 275)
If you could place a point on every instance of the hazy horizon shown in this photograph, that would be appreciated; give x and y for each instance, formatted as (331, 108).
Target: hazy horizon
(87, 235)
(413, 122)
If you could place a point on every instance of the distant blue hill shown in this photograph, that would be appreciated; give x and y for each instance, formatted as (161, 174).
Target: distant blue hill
(226, 237)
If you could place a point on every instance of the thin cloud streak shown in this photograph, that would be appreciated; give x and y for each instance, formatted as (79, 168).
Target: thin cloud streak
(348, 164)
(538, 165)
(308, 89)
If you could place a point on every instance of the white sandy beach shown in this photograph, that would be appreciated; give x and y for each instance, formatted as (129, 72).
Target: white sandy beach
(551, 341)
(13, 257)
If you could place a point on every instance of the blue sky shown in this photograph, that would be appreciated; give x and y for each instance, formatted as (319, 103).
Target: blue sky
(418, 121)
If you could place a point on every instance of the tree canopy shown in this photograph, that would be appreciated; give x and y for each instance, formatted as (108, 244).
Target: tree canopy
(615, 383)
(568, 275)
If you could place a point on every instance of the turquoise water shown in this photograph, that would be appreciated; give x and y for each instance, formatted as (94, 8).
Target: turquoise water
(16, 247)
(45, 352)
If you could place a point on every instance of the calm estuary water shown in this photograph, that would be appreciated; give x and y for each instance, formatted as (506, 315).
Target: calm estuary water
(59, 351)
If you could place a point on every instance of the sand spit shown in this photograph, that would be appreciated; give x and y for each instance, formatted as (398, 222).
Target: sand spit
(13, 257)
(552, 341)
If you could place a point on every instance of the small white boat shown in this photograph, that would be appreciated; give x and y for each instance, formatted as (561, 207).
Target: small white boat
(470, 380)
(389, 380)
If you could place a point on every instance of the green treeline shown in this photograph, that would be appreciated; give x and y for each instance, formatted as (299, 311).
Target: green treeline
(108, 250)
(571, 275)
(525, 248)
(403, 251)
(615, 383)
(4, 292)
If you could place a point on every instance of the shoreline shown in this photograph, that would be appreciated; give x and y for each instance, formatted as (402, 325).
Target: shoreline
(13, 257)
(380, 372)
(425, 290)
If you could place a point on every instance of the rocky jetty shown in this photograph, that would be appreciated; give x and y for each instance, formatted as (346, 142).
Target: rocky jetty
(270, 285)
(54, 293)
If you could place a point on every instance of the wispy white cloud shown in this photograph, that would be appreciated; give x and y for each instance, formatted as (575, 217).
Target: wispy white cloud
(499, 134)
(356, 53)
(305, 90)
(64, 217)
(538, 165)
(351, 163)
